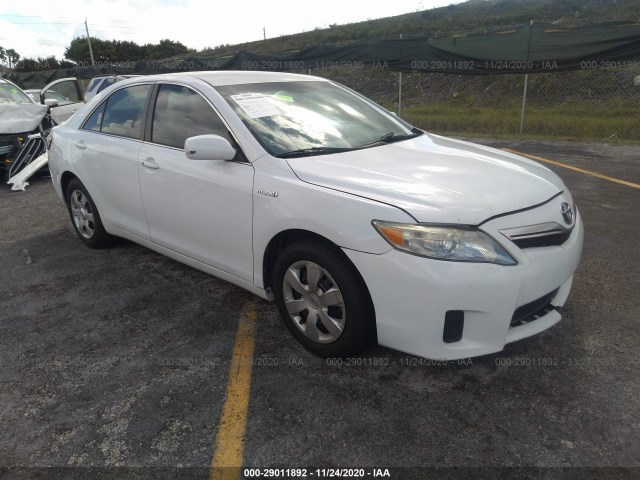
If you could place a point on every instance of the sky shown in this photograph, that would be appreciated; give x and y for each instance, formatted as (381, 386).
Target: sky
(196, 23)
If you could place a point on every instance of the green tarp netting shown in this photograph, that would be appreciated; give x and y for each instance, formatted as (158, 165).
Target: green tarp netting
(530, 48)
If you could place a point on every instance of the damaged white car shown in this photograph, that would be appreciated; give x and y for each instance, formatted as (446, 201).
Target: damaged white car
(24, 118)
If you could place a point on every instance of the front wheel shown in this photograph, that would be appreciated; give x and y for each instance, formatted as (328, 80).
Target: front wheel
(322, 300)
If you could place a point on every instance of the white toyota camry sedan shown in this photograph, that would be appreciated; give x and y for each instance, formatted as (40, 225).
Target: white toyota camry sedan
(359, 226)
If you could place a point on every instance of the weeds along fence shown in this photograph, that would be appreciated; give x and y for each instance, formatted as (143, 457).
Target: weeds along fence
(599, 104)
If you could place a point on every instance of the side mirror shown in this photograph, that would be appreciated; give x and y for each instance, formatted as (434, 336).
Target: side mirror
(50, 102)
(208, 147)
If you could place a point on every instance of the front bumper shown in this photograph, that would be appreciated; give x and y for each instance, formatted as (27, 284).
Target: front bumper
(412, 295)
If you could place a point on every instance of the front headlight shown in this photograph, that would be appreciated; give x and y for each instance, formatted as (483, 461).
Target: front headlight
(461, 244)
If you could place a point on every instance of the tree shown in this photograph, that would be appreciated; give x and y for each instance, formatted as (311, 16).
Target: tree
(122, 51)
(40, 63)
(28, 65)
(3, 55)
(78, 50)
(128, 51)
(13, 57)
(165, 49)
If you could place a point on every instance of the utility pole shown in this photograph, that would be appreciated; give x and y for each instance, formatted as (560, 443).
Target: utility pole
(93, 63)
(264, 33)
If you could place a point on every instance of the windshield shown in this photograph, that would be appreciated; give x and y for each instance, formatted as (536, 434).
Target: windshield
(312, 118)
(11, 94)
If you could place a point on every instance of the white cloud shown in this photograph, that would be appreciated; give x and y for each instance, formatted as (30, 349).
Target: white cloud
(195, 23)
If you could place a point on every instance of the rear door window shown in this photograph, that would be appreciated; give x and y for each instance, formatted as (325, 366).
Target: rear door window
(106, 84)
(93, 84)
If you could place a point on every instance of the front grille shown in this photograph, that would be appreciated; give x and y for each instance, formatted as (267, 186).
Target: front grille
(533, 310)
(9, 144)
(6, 149)
(540, 235)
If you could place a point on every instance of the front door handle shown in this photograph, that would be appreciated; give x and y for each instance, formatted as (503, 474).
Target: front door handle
(81, 145)
(149, 163)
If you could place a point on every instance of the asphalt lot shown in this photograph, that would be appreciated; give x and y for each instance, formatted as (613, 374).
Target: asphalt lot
(120, 358)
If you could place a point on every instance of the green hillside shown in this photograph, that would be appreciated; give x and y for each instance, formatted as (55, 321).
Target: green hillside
(467, 17)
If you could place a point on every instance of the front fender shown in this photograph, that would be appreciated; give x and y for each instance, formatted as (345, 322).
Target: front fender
(281, 201)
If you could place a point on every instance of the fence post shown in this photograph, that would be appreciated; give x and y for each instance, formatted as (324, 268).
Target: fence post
(400, 95)
(524, 104)
(526, 82)
(400, 92)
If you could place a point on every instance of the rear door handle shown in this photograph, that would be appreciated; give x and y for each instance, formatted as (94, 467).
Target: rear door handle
(149, 163)
(81, 145)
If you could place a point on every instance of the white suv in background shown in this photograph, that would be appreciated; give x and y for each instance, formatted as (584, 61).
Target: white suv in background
(102, 82)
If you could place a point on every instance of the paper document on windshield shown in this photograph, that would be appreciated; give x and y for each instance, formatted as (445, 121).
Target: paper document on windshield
(255, 105)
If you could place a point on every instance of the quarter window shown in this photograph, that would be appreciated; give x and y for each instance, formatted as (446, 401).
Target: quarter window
(181, 113)
(94, 122)
(124, 110)
(106, 84)
(93, 84)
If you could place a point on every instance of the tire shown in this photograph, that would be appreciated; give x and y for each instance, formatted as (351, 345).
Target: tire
(85, 217)
(345, 319)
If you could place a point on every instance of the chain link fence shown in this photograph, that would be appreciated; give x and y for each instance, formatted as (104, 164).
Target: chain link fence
(594, 104)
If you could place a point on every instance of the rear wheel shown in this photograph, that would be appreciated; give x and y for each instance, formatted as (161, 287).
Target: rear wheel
(322, 300)
(85, 217)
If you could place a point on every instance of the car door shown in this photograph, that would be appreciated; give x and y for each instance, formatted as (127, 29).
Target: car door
(199, 208)
(68, 95)
(106, 155)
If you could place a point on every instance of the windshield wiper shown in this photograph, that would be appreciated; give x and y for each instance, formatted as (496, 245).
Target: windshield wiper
(387, 138)
(395, 137)
(392, 137)
(304, 152)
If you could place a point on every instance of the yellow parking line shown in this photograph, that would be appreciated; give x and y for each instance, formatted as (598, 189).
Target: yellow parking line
(570, 167)
(227, 458)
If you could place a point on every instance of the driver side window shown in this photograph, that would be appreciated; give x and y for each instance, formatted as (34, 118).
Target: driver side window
(181, 113)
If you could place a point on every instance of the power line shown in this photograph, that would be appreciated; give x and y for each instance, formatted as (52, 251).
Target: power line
(60, 18)
(43, 23)
(103, 25)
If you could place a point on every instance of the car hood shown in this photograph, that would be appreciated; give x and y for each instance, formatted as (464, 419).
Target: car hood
(20, 117)
(435, 179)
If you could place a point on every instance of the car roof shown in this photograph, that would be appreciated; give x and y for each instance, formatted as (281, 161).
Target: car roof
(112, 75)
(232, 77)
